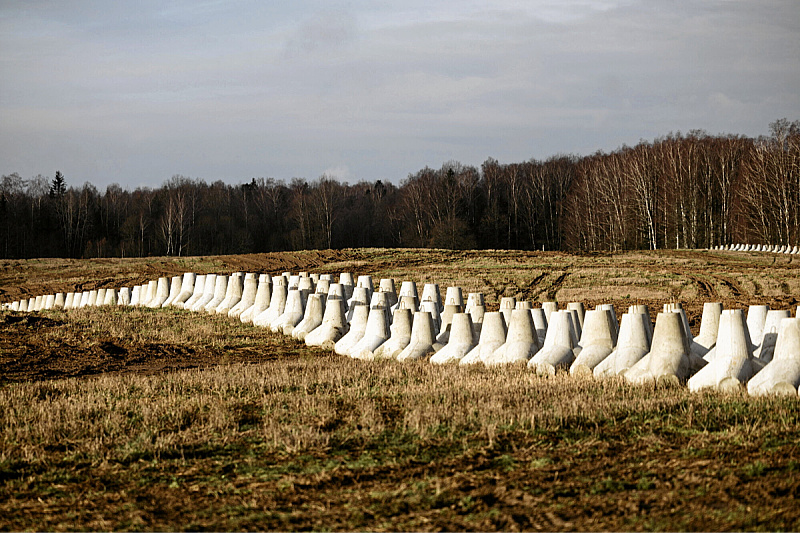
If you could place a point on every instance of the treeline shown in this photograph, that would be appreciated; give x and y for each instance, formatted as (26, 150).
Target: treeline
(679, 191)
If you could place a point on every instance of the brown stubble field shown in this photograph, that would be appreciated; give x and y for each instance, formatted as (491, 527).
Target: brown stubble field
(138, 419)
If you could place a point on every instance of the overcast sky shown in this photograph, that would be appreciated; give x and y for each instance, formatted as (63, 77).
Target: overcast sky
(134, 92)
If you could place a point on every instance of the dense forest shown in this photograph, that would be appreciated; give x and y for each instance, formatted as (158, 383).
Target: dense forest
(679, 191)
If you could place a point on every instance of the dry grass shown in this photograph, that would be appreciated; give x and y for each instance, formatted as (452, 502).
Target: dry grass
(298, 405)
(171, 326)
(412, 446)
(301, 403)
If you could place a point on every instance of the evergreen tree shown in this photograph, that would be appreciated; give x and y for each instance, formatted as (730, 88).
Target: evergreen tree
(59, 186)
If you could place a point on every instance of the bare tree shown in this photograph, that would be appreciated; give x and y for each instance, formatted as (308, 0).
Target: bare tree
(417, 204)
(74, 213)
(326, 198)
(642, 169)
(299, 192)
(771, 184)
(174, 219)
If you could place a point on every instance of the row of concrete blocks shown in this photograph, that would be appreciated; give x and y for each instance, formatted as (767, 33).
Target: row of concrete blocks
(69, 300)
(761, 352)
(774, 248)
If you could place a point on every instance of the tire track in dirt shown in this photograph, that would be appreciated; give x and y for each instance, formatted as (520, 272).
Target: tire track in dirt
(551, 291)
(757, 289)
(705, 289)
(731, 285)
(497, 290)
(529, 292)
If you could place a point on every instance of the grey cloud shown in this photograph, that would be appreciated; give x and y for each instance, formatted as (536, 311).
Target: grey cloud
(233, 91)
(325, 30)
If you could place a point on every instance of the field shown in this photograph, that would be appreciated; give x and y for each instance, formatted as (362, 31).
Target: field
(136, 419)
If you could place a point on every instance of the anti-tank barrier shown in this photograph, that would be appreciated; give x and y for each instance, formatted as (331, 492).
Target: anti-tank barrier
(758, 351)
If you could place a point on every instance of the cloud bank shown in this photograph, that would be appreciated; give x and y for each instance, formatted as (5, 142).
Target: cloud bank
(136, 92)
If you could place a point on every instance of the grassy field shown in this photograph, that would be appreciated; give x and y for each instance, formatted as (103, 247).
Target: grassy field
(135, 419)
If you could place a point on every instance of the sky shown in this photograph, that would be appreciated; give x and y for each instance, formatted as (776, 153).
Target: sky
(134, 92)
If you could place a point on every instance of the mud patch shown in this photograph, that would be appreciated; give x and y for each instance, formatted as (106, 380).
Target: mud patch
(32, 348)
(30, 321)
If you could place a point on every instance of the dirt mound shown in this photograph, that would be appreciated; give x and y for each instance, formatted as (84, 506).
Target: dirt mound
(276, 262)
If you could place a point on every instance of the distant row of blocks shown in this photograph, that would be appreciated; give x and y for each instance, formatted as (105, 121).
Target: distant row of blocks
(760, 350)
(772, 248)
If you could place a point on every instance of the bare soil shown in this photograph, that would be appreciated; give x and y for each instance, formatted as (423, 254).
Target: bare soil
(33, 348)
